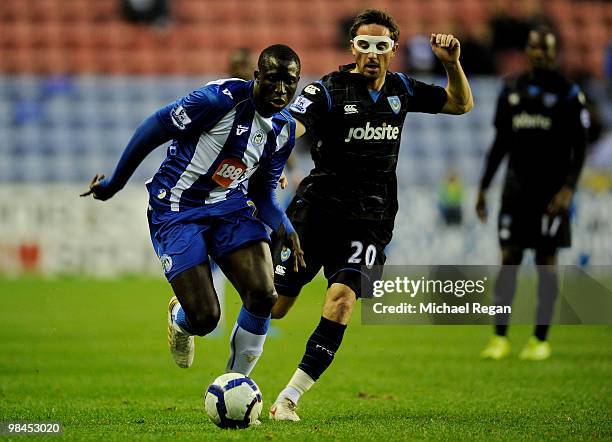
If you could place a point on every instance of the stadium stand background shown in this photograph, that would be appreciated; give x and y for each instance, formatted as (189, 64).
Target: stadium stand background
(76, 78)
(92, 37)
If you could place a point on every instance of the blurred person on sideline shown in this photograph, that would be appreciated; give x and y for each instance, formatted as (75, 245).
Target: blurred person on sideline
(541, 123)
(450, 199)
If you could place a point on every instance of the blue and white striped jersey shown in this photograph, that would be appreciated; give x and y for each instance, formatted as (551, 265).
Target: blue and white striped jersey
(220, 141)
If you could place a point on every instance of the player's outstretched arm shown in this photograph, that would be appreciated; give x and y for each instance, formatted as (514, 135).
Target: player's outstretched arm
(447, 49)
(149, 135)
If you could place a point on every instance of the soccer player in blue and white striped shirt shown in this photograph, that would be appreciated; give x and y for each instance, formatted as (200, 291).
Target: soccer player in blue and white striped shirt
(230, 141)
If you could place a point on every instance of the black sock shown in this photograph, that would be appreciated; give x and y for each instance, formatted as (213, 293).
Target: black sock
(541, 331)
(548, 288)
(321, 347)
(501, 329)
(505, 286)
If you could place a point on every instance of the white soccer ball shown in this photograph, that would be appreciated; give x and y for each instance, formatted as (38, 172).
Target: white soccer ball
(233, 400)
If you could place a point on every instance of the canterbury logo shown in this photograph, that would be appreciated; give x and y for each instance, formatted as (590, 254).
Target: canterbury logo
(384, 132)
(350, 109)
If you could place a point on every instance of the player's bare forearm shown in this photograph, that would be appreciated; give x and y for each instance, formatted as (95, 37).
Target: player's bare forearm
(460, 100)
(300, 129)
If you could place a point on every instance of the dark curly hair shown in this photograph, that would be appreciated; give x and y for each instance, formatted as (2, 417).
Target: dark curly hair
(376, 17)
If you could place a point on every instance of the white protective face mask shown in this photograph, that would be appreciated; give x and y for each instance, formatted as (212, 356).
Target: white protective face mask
(376, 44)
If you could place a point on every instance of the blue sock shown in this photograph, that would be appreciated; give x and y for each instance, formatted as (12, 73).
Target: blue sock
(247, 341)
(258, 325)
(182, 321)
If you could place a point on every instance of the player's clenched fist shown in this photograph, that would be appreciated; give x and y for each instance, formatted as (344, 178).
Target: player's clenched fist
(446, 47)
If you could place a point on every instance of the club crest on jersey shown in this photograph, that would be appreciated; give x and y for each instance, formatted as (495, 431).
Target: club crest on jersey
(258, 138)
(549, 99)
(285, 254)
(395, 103)
(166, 261)
(179, 117)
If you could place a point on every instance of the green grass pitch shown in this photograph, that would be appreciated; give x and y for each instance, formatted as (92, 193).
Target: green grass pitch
(93, 355)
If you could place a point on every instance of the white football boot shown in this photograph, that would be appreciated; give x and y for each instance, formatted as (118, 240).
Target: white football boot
(181, 344)
(284, 410)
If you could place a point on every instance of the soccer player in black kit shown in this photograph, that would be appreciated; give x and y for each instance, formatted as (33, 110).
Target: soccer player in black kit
(345, 208)
(541, 126)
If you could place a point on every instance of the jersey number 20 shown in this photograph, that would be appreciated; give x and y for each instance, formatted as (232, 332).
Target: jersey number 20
(370, 254)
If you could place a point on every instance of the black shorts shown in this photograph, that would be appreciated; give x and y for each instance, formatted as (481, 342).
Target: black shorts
(533, 229)
(350, 252)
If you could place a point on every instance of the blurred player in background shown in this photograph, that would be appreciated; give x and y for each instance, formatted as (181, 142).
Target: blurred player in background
(541, 125)
(229, 137)
(240, 64)
(344, 210)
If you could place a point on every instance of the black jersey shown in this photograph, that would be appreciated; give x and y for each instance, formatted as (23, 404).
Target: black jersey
(541, 124)
(356, 140)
